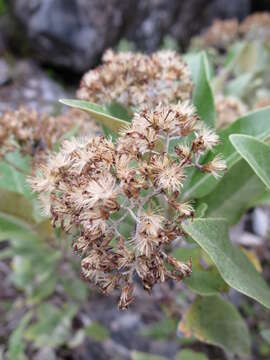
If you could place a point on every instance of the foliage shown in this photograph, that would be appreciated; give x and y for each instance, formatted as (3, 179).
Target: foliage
(44, 269)
(216, 321)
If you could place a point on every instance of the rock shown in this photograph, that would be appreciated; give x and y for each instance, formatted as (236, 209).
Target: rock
(5, 75)
(74, 33)
(29, 86)
(260, 221)
(71, 33)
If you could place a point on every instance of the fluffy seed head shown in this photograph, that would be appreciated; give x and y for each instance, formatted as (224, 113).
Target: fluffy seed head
(138, 80)
(120, 200)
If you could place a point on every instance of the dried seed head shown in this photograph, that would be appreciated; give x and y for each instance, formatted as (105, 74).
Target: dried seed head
(221, 33)
(35, 134)
(228, 109)
(215, 167)
(256, 26)
(137, 80)
(92, 186)
(205, 139)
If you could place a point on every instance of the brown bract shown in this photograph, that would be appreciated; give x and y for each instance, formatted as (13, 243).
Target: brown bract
(120, 201)
(137, 80)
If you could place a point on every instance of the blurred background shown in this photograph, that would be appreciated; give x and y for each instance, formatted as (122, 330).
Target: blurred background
(45, 48)
(47, 40)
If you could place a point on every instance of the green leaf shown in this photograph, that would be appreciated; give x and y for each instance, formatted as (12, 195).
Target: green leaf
(16, 205)
(13, 228)
(232, 58)
(201, 210)
(16, 217)
(238, 190)
(238, 86)
(233, 265)
(256, 153)
(202, 95)
(216, 321)
(99, 113)
(119, 111)
(255, 124)
(202, 281)
(263, 199)
(96, 331)
(266, 335)
(13, 172)
(160, 330)
(16, 343)
(206, 282)
(137, 355)
(190, 355)
(53, 326)
(75, 288)
(44, 288)
(249, 58)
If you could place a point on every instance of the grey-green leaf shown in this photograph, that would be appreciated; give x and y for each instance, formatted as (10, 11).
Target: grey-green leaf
(266, 335)
(255, 124)
(13, 172)
(202, 95)
(16, 343)
(256, 153)
(233, 265)
(16, 216)
(216, 321)
(238, 190)
(96, 331)
(206, 282)
(53, 325)
(137, 355)
(188, 354)
(99, 113)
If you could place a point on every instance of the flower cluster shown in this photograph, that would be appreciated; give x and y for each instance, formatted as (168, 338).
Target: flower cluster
(256, 26)
(223, 32)
(121, 201)
(34, 134)
(228, 109)
(136, 80)
(262, 99)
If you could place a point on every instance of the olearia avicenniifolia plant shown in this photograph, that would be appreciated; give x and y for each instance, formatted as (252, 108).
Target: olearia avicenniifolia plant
(129, 198)
(92, 185)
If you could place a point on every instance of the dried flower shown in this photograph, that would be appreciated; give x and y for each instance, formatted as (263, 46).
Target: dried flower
(34, 134)
(215, 167)
(205, 139)
(256, 26)
(93, 185)
(228, 109)
(221, 33)
(137, 80)
(262, 100)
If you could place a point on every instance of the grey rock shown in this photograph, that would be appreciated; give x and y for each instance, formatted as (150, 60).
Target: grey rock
(74, 33)
(31, 87)
(260, 221)
(70, 33)
(5, 74)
